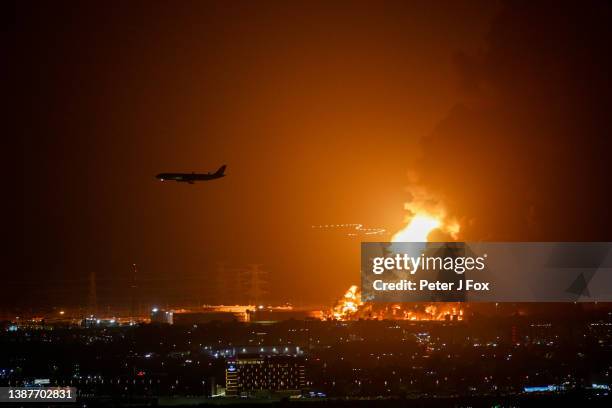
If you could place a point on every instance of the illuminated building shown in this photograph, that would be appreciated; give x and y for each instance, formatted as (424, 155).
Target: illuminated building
(247, 375)
(96, 322)
(263, 351)
(161, 316)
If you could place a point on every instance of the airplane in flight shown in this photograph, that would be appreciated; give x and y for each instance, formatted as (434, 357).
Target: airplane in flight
(191, 177)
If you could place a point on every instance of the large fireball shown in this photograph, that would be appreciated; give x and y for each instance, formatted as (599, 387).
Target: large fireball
(417, 229)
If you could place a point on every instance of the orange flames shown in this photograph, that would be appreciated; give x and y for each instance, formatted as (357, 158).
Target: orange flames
(417, 229)
(425, 214)
(422, 223)
(350, 307)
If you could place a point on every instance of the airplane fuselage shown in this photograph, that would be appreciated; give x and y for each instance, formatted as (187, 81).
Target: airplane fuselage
(191, 177)
(187, 177)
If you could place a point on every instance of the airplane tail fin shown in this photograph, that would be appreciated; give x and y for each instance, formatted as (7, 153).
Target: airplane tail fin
(220, 171)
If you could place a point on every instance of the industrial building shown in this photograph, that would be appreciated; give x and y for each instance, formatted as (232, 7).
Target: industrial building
(160, 316)
(195, 318)
(278, 314)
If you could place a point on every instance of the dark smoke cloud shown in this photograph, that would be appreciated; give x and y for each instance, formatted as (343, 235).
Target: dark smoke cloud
(526, 155)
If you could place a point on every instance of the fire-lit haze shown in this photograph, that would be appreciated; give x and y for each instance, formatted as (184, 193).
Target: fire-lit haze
(420, 120)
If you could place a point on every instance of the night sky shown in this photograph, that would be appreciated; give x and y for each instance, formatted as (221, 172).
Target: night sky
(324, 112)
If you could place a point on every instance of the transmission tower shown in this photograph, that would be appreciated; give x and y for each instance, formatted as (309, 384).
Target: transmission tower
(92, 300)
(133, 293)
(255, 283)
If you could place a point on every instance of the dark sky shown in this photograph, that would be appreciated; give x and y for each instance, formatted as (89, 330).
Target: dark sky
(319, 110)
